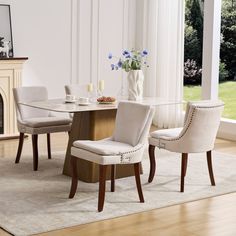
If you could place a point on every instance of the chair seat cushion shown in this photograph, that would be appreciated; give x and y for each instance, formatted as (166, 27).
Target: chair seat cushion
(103, 147)
(166, 133)
(107, 152)
(46, 121)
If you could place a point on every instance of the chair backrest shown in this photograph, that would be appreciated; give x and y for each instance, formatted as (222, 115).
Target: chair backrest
(202, 121)
(77, 90)
(68, 90)
(133, 122)
(29, 94)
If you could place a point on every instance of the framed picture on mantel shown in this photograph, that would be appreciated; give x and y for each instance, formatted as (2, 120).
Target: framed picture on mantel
(6, 41)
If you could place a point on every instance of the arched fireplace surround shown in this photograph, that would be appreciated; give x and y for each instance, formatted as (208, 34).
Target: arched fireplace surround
(10, 77)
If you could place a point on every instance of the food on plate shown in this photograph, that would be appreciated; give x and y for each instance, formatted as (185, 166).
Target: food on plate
(106, 99)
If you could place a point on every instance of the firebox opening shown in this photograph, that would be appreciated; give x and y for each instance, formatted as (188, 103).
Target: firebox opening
(1, 115)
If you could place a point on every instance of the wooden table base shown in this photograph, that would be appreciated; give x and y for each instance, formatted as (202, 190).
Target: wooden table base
(93, 125)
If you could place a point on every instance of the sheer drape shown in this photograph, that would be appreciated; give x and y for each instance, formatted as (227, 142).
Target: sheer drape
(164, 39)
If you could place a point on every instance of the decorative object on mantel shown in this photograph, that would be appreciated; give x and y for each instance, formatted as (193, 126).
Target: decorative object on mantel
(6, 46)
(131, 62)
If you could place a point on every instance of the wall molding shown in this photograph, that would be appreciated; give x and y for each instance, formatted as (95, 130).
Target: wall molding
(74, 41)
(86, 44)
(98, 41)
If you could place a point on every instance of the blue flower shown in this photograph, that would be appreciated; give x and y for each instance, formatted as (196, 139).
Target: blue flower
(126, 52)
(145, 52)
(110, 55)
(119, 63)
(130, 60)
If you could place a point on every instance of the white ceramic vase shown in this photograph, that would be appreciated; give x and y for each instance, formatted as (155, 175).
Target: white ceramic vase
(135, 85)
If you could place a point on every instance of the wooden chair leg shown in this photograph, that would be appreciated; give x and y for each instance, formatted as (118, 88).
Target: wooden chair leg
(102, 186)
(113, 177)
(138, 182)
(20, 145)
(35, 151)
(151, 151)
(49, 146)
(74, 180)
(185, 165)
(210, 169)
(183, 170)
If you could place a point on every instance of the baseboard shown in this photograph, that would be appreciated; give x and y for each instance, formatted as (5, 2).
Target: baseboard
(10, 136)
(227, 129)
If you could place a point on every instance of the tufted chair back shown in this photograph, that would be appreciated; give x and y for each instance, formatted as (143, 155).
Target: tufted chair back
(29, 94)
(202, 121)
(133, 122)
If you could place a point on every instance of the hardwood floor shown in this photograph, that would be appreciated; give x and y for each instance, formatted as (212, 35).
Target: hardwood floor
(209, 217)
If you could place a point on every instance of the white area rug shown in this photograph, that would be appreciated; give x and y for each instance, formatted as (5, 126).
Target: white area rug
(33, 202)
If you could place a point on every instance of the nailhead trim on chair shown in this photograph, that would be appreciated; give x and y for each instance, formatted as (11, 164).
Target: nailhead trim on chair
(161, 145)
(124, 159)
(191, 118)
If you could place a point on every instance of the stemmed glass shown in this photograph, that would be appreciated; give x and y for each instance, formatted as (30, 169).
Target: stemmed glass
(101, 86)
(90, 91)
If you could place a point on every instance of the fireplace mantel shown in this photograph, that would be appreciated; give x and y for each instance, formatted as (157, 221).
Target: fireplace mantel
(10, 77)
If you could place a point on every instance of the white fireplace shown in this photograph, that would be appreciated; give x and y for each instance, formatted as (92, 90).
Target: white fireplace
(10, 77)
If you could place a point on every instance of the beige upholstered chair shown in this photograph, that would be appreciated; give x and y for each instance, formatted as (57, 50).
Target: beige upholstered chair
(77, 90)
(126, 146)
(69, 90)
(202, 121)
(36, 121)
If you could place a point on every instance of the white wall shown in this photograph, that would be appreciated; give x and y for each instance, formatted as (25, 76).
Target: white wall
(101, 26)
(41, 31)
(67, 41)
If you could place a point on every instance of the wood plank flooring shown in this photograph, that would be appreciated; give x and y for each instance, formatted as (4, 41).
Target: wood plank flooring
(209, 217)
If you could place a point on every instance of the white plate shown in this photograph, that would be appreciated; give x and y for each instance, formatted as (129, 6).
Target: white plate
(107, 102)
(70, 101)
(84, 104)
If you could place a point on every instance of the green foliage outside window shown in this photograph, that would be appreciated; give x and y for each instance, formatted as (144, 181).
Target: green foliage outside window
(228, 43)
(194, 39)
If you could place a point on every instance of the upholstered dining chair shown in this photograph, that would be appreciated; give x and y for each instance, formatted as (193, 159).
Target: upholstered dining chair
(126, 146)
(70, 90)
(202, 120)
(36, 121)
(76, 89)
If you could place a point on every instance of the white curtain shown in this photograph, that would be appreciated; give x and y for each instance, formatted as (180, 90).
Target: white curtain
(164, 39)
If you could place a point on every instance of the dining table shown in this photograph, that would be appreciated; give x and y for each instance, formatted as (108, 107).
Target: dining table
(93, 121)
